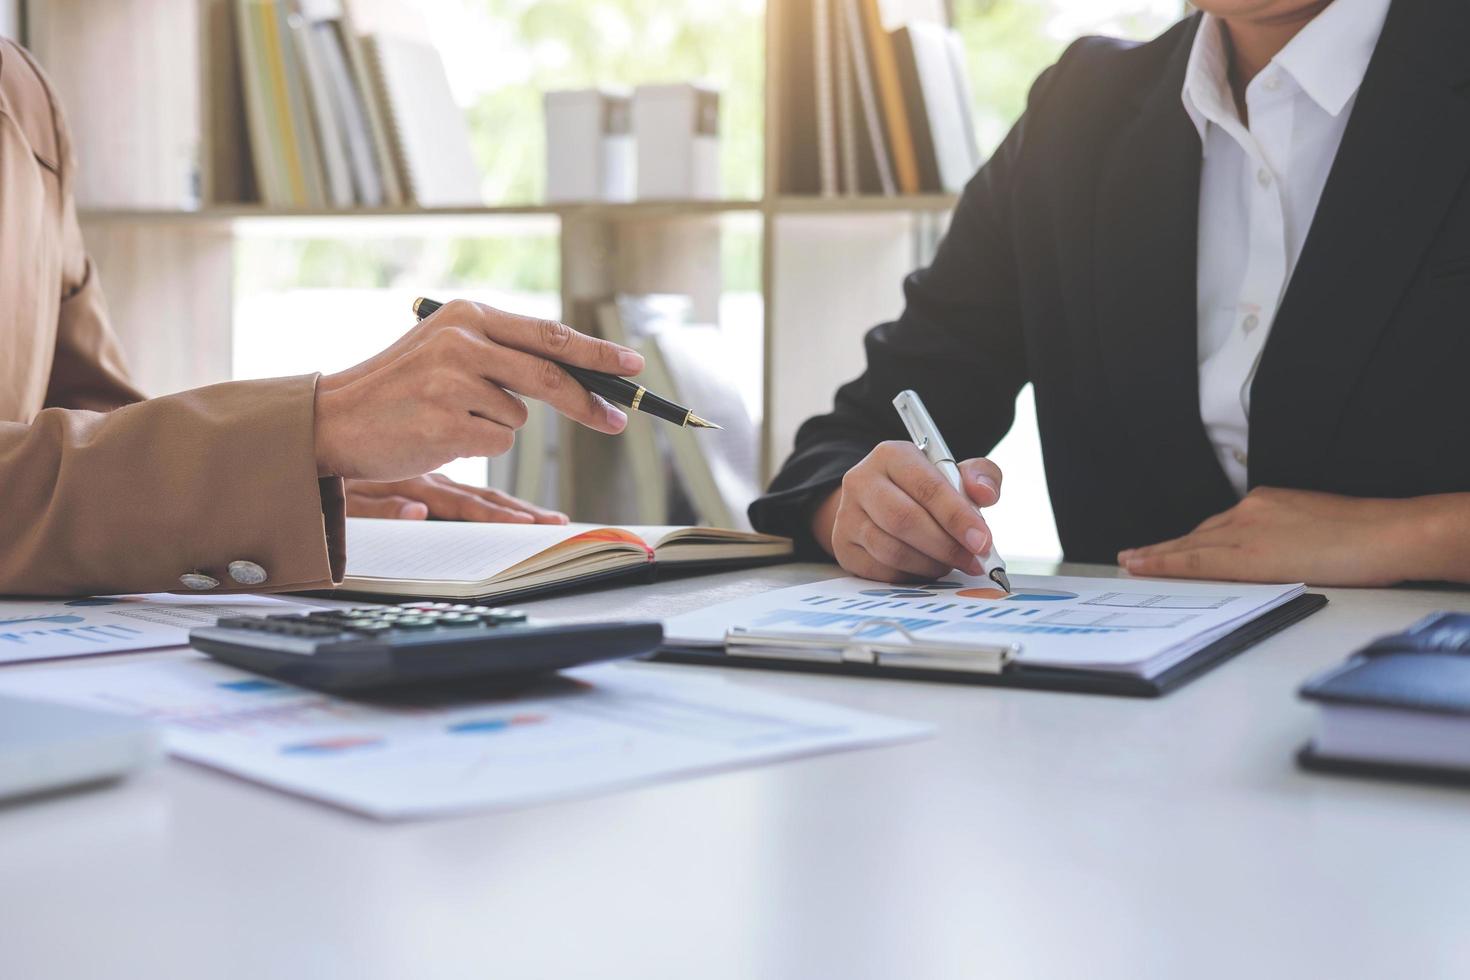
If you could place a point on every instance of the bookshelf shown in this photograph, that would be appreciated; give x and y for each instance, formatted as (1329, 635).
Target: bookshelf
(167, 262)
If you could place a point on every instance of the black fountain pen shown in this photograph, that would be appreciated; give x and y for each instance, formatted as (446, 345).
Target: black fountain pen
(627, 393)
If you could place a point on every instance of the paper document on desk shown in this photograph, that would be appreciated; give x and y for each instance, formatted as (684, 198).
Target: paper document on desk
(40, 629)
(1125, 625)
(596, 730)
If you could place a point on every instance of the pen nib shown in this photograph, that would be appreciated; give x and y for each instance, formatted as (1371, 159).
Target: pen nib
(999, 577)
(696, 422)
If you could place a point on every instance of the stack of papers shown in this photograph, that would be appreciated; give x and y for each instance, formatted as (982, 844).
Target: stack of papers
(1138, 627)
(600, 729)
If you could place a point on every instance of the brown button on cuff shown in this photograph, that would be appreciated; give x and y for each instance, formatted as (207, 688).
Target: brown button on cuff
(198, 581)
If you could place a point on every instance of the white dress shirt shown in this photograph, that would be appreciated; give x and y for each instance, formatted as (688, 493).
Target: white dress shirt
(1259, 187)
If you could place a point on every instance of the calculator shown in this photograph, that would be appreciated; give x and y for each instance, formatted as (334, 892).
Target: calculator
(418, 644)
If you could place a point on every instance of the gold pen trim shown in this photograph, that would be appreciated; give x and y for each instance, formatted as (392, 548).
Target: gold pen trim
(416, 304)
(637, 397)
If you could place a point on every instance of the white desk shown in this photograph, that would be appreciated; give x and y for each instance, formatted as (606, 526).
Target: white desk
(1038, 835)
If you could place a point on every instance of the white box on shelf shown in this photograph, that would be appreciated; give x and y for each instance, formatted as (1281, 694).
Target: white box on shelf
(589, 145)
(677, 128)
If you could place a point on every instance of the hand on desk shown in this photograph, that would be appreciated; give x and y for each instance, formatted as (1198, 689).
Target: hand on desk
(1278, 535)
(451, 387)
(438, 496)
(896, 518)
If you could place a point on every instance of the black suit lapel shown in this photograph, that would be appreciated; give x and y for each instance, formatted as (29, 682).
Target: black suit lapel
(1146, 310)
(1404, 156)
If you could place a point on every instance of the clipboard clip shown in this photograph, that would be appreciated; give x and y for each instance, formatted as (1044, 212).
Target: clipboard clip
(882, 650)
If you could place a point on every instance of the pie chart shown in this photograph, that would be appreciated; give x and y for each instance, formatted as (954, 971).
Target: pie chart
(1025, 595)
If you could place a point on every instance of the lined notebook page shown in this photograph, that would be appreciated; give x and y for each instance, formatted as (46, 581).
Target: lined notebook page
(446, 550)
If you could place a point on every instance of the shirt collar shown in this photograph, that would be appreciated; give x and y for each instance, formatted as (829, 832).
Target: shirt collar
(1328, 59)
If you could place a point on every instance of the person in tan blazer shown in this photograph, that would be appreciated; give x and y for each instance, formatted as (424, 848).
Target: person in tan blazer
(237, 486)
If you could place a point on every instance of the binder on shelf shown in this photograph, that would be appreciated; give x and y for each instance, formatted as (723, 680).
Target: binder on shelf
(874, 99)
(888, 85)
(677, 131)
(589, 145)
(341, 110)
(426, 128)
(824, 69)
(943, 132)
(845, 85)
(875, 162)
(358, 17)
(330, 135)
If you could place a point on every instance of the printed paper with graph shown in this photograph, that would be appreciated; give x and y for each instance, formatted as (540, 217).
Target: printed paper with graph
(1128, 625)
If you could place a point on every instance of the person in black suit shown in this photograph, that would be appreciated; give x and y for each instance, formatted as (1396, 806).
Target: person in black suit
(1234, 262)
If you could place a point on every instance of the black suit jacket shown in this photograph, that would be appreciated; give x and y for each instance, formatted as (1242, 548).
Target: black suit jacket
(1070, 263)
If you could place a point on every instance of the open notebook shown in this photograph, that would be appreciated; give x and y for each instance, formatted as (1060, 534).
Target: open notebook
(456, 560)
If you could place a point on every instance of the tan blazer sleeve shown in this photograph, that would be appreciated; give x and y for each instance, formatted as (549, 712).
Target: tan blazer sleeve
(100, 491)
(88, 369)
(128, 500)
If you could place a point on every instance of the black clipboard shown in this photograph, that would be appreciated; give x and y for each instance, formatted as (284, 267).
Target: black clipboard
(1017, 674)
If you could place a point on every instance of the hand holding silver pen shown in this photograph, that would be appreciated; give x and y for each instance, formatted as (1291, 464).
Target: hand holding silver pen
(895, 518)
(927, 438)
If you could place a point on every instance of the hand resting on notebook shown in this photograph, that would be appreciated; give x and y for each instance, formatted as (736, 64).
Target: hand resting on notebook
(439, 497)
(452, 386)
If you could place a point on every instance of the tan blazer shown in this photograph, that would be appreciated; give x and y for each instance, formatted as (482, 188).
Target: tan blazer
(101, 491)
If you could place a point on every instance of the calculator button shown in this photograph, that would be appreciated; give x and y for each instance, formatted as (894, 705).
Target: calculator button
(416, 624)
(499, 616)
(460, 620)
(370, 627)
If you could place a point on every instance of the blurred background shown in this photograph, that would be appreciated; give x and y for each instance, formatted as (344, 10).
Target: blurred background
(239, 161)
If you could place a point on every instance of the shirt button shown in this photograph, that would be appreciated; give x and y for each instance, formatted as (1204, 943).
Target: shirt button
(247, 572)
(198, 581)
(1240, 456)
(1272, 84)
(1263, 177)
(1250, 322)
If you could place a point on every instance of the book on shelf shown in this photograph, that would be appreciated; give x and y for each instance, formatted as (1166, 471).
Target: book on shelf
(458, 560)
(347, 104)
(883, 62)
(939, 109)
(875, 99)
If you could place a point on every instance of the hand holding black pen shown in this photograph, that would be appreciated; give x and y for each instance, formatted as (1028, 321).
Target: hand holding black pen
(455, 386)
(615, 389)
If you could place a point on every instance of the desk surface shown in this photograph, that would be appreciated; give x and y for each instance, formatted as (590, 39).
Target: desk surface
(1037, 835)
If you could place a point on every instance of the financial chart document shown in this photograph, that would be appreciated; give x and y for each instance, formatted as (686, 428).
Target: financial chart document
(590, 731)
(1138, 626)
(39, 629)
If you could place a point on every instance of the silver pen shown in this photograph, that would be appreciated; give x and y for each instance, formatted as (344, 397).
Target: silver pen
(925, 435)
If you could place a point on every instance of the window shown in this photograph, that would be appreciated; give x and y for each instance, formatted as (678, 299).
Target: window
(342, 286)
